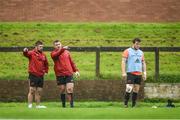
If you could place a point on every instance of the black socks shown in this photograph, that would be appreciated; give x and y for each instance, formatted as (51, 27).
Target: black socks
(71, 99)
(134, 98)
(63, 100)
(127, 96)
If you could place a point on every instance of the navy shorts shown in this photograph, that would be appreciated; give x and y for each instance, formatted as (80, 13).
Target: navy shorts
(63, 80)
(36, 81)
(133, 79)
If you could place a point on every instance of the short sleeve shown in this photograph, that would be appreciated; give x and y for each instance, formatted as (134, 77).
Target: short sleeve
(125, 53)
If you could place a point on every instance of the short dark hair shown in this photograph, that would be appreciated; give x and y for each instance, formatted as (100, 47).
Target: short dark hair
(136, 40)
(56, 41)
(38, 43)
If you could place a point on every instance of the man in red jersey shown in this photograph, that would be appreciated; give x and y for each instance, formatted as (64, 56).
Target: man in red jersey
(38, 66)
(64, 69)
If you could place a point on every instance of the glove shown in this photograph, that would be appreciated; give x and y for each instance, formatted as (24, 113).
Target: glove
(25, 49)
(77, 74)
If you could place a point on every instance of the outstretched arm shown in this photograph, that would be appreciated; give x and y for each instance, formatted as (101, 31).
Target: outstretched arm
(26, 53)
(55, 54)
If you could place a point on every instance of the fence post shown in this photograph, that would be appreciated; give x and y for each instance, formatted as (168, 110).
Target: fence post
(97, 62)
(156, 63)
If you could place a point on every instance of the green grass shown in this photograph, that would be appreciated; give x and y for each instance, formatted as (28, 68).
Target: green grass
(90, 34)
(89, 110)
(14, 65)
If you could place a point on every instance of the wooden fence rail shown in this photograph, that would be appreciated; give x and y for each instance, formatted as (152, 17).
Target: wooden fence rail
(98, 50)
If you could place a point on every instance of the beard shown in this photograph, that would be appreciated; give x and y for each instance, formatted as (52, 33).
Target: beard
(40, 50)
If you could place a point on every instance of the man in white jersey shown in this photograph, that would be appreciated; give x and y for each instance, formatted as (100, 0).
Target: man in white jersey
(133, 70)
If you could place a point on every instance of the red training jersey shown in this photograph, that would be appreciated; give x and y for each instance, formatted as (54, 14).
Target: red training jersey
(38, 63)
(63, 63)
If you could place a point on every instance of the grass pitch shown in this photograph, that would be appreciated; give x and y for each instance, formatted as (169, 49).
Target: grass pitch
(89, 110)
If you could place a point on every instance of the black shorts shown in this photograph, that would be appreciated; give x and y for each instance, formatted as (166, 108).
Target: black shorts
(133, 79)
(36, 81)
(63, 80)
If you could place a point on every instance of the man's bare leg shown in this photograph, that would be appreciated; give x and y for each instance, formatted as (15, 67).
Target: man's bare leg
(69, 89)
(31, 96)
